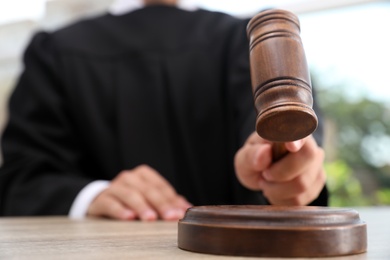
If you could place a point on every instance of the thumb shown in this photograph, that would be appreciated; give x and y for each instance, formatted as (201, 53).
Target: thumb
(250, 161)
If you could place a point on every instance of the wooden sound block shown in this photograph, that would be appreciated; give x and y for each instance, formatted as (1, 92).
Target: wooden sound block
(272, 231)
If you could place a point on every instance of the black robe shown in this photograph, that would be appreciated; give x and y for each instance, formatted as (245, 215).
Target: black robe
(158, 86)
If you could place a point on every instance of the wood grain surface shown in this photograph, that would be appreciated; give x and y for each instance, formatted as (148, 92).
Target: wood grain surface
(62, 238)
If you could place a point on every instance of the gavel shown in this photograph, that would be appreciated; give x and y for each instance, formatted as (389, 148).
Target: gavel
(280, 79)
(283, 101)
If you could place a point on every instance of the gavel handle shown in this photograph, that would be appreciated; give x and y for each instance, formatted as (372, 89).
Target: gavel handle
(278, 151)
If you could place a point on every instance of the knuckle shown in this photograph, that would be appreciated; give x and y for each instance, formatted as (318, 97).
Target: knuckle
(237, 156)
(131, 179)
(142, 167)
(147, 173)
(123, 176)
(250, 139)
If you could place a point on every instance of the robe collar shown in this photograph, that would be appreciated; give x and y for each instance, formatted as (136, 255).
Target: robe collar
(120, 7)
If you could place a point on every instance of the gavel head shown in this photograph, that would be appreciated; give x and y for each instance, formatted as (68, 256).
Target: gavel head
(280, 77)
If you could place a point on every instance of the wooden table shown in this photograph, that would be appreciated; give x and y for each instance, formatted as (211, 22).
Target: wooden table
(62, 238)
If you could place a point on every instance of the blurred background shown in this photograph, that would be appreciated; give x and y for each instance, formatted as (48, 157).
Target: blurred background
(347, 47)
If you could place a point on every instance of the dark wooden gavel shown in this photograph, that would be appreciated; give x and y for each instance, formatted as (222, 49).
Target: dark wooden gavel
(280, 79)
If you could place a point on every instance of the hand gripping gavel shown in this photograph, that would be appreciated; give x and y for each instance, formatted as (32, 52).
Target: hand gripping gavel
(283, 100)
(280, 79)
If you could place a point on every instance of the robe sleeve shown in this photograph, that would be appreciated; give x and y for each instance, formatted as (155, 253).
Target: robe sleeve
(38, 175)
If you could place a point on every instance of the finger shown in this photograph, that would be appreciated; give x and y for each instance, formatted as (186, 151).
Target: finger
(161, 195)
(175, 208)
(130, 180)
(143, 177)
(309, 157)
(169, 205)
(291, 189)
(283, 190)
(182, 203)
(134, 200)
(250, 161)
(158, 192)
(163, 204)
(107, 206)
(254, 138)
(130, 183)
(306, 197)
(152, 177)
(254, 157)
(178, 211)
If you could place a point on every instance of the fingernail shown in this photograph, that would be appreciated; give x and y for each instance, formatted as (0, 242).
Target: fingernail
(127, 214)
(170, 214)
(148, 215)
(173, 214)
(297, 144)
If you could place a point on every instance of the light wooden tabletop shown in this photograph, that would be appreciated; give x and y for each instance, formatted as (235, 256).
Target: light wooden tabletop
(62, 238)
